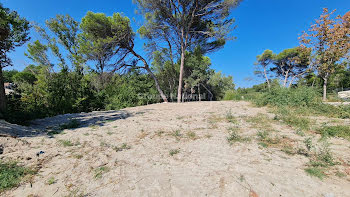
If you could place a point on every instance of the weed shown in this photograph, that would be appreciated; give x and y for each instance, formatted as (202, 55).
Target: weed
(315, 171)
(180, 117)
(229, 117)
(109, 133)
(208, 136)
(66, 143)
(93, 127)
(263, 144)
(160, 133)
(177, 134)
(104, 144)
(308, 143)
(100, 171)
(173, 152)
(235, 137)
(242, 178)
(300, 133)
(293, 119)
(261, 122)
(54, 132)
(342, 131)
(288, 150)
(11, 174)
(78, 156)
(263, 135)
(72, 124)
(192, 135)
(124, 146)
(51, 181)
(340, 174)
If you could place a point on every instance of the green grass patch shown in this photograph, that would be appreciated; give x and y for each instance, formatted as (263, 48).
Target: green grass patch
(66, 143)
(124, 146)
(11, 174)
(342, 131)
(100, 171)
(174, 152)
(316, 172)
(293, 119)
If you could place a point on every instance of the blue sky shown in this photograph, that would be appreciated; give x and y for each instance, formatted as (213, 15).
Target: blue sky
(261, 24)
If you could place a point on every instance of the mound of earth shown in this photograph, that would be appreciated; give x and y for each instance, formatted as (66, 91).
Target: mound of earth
(170, 149)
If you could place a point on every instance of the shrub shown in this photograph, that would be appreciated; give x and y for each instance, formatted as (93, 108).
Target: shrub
(296, 97)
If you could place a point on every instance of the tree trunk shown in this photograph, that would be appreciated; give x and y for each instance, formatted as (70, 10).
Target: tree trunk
(2, 93)
(285, 79)
(325, 81)
(182, 64)
(267, 79)
(291, 82)
(152, 75)
(199, 93)
(157, 85)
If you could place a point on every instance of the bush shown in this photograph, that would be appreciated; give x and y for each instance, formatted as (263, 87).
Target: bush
(241, 94)
(296, 97)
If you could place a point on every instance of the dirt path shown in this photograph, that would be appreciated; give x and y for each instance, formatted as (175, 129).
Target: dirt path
(169, 150)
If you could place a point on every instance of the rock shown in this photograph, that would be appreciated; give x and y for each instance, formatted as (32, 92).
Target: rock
(1, 149)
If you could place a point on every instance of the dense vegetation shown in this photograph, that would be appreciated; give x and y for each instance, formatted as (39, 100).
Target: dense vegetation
(92, 64)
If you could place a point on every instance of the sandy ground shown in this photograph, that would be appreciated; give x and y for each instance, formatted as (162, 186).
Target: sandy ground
(96, 163)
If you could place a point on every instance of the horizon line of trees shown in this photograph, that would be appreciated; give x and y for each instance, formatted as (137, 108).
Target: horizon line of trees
(322, 57)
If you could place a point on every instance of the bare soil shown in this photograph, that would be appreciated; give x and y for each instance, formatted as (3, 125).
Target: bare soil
(168, 149)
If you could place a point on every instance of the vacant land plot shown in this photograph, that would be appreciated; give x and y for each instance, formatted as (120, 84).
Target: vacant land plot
(191, 149)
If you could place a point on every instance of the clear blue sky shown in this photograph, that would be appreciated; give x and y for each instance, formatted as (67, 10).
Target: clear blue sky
(261, 24)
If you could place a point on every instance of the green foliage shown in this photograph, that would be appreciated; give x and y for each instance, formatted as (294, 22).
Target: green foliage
(124, 146)
(316, 172)
(342, 131)
(24, 77)
(8, 75)
(295, 97)
(100, 171)
(220, 84)
(292, 118)
(173, 152)
(11, 174)
(102, 36)
(51, 181)
(130, 90)
(66, 143)
(72, 124)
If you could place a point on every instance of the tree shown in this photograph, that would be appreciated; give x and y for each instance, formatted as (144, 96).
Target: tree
(291, 63)
(8, 75)
(197, 72)
(220, 84)
(262, 62)
(166, 71)
(330, 42)
(104, 38)
(187, 23)
(14, 32)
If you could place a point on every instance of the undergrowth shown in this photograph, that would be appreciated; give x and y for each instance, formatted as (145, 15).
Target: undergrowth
(11, 174)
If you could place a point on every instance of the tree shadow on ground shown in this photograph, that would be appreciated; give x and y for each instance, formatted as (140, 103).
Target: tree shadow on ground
(56, 124)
